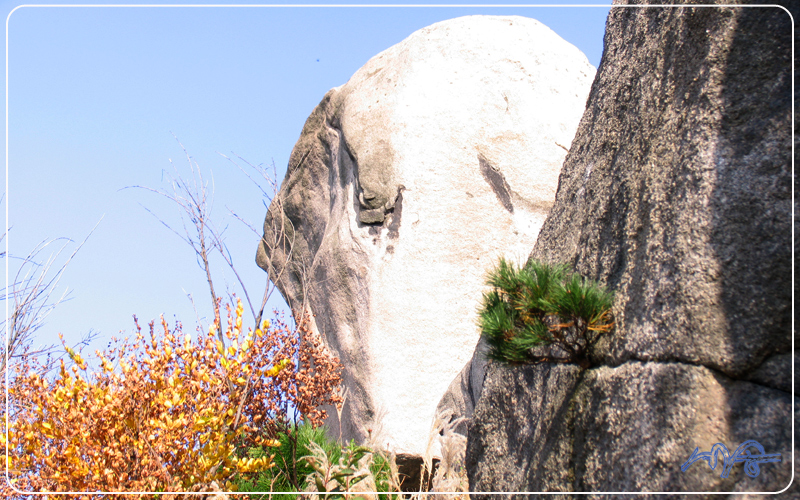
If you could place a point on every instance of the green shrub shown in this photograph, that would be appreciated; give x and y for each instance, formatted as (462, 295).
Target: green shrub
(353, 470)
(287, 460)
(543, 305)
(316, 456)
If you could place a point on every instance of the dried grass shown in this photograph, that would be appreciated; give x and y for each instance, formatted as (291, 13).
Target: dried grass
(449, 481)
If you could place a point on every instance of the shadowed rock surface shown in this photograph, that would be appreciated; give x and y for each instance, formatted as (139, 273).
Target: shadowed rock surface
(676, 194)
(623, 429)
(407, 183)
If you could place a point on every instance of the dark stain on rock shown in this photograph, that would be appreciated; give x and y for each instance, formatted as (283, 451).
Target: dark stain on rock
(497, 182)
(397, 212)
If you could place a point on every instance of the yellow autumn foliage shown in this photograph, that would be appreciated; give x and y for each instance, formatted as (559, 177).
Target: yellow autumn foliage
(174, 416)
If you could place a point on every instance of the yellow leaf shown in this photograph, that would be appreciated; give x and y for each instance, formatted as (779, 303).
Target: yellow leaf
(277, 368)
(241, 380)
(168, 403)
(47, 425)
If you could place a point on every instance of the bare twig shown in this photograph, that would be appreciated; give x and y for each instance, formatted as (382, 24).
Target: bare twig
(279, 231)
(193, 199)
(31, 292)
(195, 204)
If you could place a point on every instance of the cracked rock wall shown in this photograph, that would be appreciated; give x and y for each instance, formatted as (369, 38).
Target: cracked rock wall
(408, 182)
(676, 194)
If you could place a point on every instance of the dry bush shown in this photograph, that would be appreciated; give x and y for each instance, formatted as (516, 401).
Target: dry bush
(359, 472)
(449, 477)
(176, 416)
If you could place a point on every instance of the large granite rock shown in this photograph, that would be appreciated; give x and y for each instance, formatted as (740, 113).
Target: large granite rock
(628, 428)
(465, 390)
(676, 194)
(407, 183)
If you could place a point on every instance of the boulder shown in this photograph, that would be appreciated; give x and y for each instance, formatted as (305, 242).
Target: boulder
(676, 194)
(408, 182)
(627, 428)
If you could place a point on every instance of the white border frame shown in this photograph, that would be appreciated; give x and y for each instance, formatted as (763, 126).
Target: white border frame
(8, 18)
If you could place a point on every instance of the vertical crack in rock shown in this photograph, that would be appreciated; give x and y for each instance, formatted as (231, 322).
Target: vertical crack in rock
(497, 182)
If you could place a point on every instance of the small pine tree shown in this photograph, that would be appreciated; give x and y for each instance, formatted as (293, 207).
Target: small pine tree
(540, 305)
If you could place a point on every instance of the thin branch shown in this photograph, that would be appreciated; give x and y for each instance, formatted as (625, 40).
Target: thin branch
(272, 180)
(193, 201)
(31, 295)
(196, 313)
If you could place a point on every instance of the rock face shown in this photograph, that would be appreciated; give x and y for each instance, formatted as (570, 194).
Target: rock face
(624, 429)
(676, 194)
(407, 183)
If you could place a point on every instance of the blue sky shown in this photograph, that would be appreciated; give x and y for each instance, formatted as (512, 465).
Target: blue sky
(95, 94)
